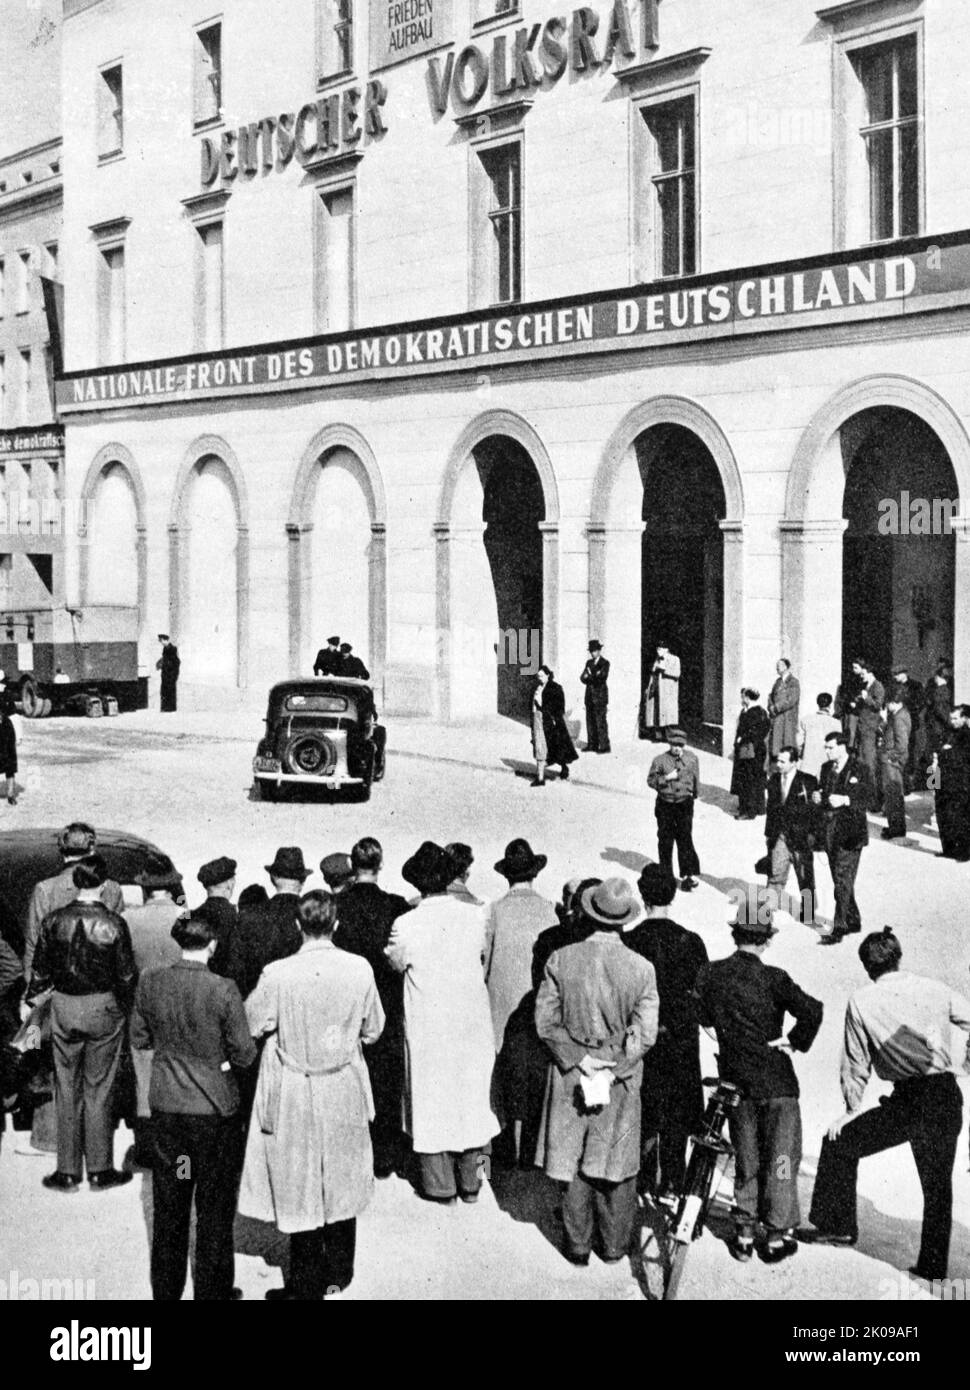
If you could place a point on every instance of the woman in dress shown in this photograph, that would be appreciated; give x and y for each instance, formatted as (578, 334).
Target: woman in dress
(750, 748)
(8, 742)
(551, 744)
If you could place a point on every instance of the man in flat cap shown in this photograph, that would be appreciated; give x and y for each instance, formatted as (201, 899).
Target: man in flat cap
(218, 878)
(337, 871)
(328, 662)
(595, 675)
(269, 931)
(169, 665)
(351, 666)
(675, 777)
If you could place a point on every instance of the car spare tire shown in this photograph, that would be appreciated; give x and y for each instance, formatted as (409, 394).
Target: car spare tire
(310, 754)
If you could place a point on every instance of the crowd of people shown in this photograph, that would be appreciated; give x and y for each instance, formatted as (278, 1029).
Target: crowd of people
(294, 1047)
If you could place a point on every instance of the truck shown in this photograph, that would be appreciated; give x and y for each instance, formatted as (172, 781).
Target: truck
(60, 660)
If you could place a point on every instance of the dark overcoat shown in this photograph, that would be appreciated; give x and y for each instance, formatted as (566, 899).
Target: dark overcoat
(561, 749)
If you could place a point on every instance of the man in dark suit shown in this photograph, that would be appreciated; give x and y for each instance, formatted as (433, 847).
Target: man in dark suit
(365, 915)
(595, 675)
(329, 660)
(911, 695)
(169, 665)
(269, 931)
(869, 708)
(894, 759)
(218, 878)
(843, 796)
(350, 665)
(951, 774)
(789, 831)
(671, 1095)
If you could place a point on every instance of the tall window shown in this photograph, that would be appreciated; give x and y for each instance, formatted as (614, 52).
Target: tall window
(111, 112)
(53, 260)
(111, 305)
(335, 260)
(210, 287)
(208, 74)
(335, 38)
(23, 282)
(672, 126)
(3, 287)
(3, 391)
(503, 168)
(27, 384)
(890, 132)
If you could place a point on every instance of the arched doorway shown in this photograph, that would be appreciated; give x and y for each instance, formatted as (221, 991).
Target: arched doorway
(898, 550)
(497, 567)
(682, 568)
(209, 628)
(112, 540)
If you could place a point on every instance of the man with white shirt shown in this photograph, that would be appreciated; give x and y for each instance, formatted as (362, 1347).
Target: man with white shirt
(901, 1027)
(813, 732)
(790, 831)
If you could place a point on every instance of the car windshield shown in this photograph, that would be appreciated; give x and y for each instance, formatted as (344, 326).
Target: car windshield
(316, 704)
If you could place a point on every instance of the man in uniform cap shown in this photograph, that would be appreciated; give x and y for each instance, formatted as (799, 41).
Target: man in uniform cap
(269, 931)
(595, 675)
(169, 665)
(350, 665)
(745, 1002)
(675, 777)
(218, 878)
(328, 662)
(596, 1011)
(337, 871)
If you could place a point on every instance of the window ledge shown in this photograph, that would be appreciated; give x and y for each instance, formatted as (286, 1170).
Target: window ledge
(850, 11)
(111, 156)
(208, 204)
(637, 73)
(332, 165)
(497, 21)
(497, 120)
(335, 79)
(111, 230)
(208, 123)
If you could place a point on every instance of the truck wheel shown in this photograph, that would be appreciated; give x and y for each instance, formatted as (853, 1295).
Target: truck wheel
(30, 700)
(45, 708)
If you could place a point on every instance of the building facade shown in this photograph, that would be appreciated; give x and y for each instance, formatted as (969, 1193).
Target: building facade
(471, 331)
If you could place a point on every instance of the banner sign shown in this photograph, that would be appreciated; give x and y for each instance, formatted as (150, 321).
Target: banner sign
(838, 291)
(42, 439)
(402, 29)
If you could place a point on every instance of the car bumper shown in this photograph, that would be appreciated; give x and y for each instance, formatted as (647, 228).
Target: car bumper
(307, 779)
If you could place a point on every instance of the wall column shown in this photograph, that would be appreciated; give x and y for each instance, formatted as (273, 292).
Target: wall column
(615, 613)
(811, 611)
(961, 610)
(732, 642)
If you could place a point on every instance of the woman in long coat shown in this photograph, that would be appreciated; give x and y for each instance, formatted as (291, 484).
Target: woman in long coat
(750, 744)
(8, 742)
(309, 1165)
(551, 743)
(449, 1046)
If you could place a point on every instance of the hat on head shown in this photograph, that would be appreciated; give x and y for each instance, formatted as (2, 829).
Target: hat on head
(430, 869)
(611, 903)
(336, 869)
(333, 641)
(159, 873)
(216, 871)
(595, 646)
(675, 735)
(288, 864)
(346, 647)
(461, 855)
(164, 637)
(657, 886)
(754, 916)
(519, 862)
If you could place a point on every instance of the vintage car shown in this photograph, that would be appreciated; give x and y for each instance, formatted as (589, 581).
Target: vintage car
(320, 732)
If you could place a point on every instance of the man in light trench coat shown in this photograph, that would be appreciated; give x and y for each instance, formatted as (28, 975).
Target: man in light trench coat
(597, 1012)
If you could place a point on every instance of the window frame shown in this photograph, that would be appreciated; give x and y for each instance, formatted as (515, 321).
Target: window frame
(211, 121)
(323, 190)
(200, 227)
(25, 266)
(108, 156)
(325, 40)
(483, 264)
(646, 239)
(852, 210)
(106, 249)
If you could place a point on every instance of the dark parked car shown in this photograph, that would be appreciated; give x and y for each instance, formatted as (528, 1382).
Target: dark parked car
(320, 732)
(31, 854)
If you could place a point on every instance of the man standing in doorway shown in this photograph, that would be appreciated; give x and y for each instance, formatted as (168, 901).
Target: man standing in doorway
(661, 700)
(675, 777)
(783, 708)
(894, 760)
(169, 665)
(869, 707)
(843, 796)
(595, 675)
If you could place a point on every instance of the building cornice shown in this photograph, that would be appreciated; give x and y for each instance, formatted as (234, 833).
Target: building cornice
(32, 197)
(75, 7)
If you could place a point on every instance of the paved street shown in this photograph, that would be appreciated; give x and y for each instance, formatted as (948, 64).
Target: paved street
(183, 782)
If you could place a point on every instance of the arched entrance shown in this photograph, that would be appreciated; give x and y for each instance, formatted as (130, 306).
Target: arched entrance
(666, 560)
(898, 550)
(337, 529)
(682, 569)
(853, 569)
(113, 558)
(209, 566)
(496, 570)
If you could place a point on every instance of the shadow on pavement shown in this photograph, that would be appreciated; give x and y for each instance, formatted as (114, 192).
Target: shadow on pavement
(626, 858)
(527, 1195)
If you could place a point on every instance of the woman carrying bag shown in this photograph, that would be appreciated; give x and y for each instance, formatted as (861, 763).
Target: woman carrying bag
(750, 745)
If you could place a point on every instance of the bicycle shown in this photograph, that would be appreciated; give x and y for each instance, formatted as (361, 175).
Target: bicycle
(683, 1220)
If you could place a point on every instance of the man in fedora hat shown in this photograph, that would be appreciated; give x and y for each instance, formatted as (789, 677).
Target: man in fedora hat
(596, 1011)
(328, 660)
(513, 924)
(169, 664)
(595, 675)
(676, 778)
(746, 1002)
(438, 947)
(218, 878)
(269, 931)
(672, 1096)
